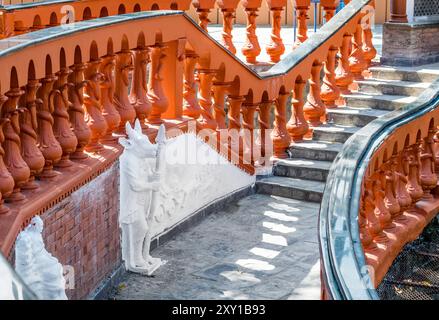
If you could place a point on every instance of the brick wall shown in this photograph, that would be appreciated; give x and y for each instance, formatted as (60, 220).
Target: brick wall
(82, 231)
(410, 44)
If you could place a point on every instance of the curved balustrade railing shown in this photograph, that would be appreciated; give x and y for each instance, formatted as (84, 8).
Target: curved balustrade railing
(23, 18)
(381, 194)
(66, 93)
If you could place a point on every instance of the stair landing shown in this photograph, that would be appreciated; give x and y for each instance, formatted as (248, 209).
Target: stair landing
(262, 247)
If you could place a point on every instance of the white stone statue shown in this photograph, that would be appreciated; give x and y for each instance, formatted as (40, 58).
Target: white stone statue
(11, 288)
(41, 271)
(139, 186)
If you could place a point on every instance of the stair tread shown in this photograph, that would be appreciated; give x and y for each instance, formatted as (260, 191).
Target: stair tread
(381, 97)
(318, 145)
(302, 184)
(305, 163)
(428, 68)
(358, 111)
(396, 83)
(335, 128)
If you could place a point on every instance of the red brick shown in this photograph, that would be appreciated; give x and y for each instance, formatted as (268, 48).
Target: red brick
(83, 231)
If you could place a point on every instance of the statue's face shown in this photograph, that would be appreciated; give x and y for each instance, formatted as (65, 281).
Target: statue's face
(137, 142)
(37, 224)
(143, 147)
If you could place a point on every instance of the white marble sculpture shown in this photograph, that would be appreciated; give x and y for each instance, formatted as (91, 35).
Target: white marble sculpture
(194, 175)
(42, 272)
(10, 286)
(139, 187)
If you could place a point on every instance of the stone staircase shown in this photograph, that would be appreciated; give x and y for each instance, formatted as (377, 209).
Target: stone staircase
(303, 175)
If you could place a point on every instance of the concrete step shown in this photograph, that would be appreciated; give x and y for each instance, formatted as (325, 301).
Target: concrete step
(392, 87)
(315, 150)
(348, 116)
(292, 188)
(333, 133)
(377, 101)
(426, 73)
(303, 169)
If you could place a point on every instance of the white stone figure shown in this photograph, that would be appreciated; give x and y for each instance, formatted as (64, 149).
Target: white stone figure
(41, 271)
(139, 186)
(10, 286)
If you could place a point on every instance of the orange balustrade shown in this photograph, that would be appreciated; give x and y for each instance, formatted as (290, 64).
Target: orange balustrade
(18, 19)
(399, 193)
(65, 98)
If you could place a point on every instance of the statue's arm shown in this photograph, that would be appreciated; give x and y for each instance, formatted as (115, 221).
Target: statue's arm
(139, 183)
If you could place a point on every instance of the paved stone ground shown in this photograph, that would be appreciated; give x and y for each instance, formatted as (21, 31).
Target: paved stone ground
(262, 247)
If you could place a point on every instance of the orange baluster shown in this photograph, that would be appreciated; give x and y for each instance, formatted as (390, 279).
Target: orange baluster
(343, 75)
(50, 147)
(413, 185)
(280, 137)
(401, 163)
(156, 95)
(30, 151)
(264, 112)
(297, 126)
(428, 177)
(139, 86)
(124, 65)
(276, 47)
(251, 49)
(369, 227)
(436, 150)
(205, 98)
(219, 94)
(6, 179)
(61, 127)
(414, 189)
(412, 217)
(302, 8)
(365, 236)
(109, 111)
(234, 116)
(368, 48)
(92, 101)
(357, 62)
(13, 160)
(203, 9)
(390, 201)
(76, 110)
(228, 8)
(248, 123)
(314, 108)
(330, 92)
(191, 108)
(373, 223)
(389, 229)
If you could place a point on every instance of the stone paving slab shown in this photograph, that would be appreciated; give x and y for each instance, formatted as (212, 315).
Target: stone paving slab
(261, 247)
